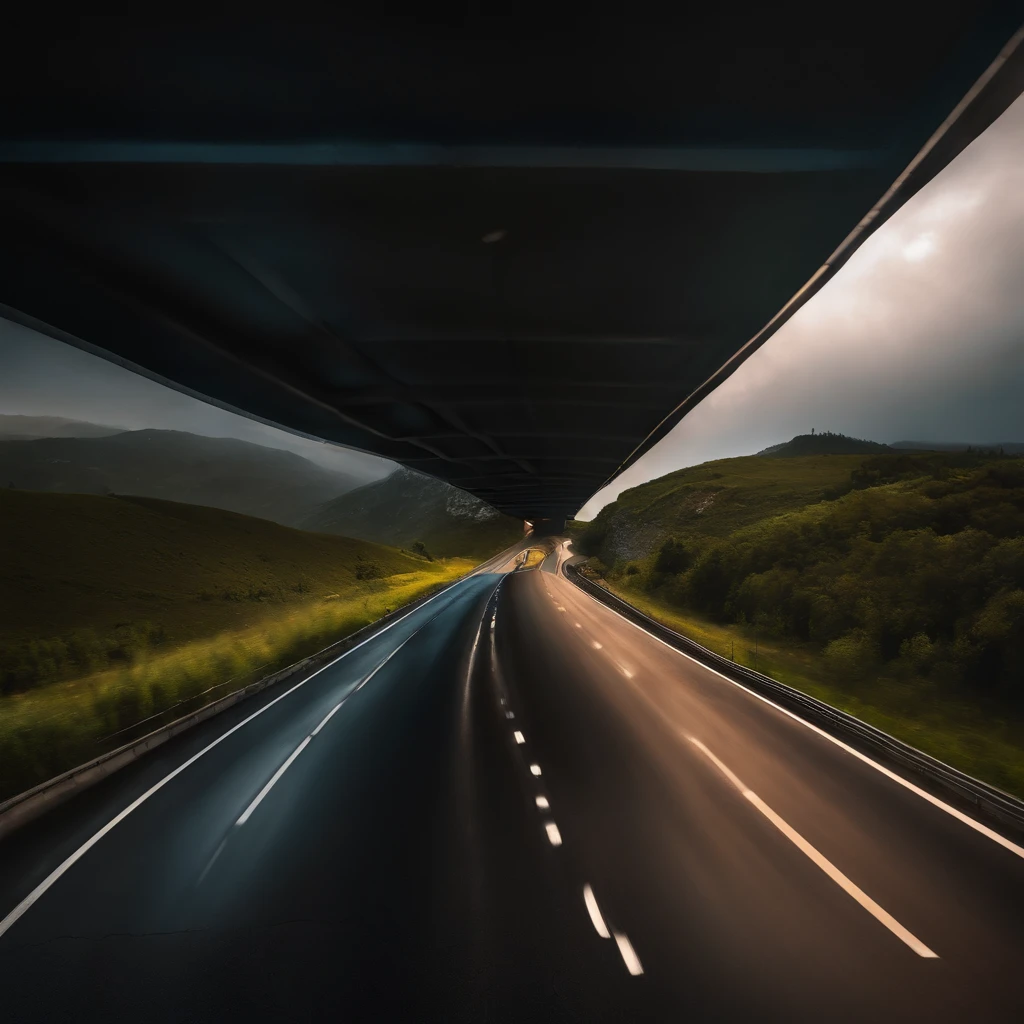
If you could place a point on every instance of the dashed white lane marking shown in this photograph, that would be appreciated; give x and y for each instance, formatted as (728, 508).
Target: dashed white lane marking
(629, 957)
(844, 883)
(535, 769)
(627, 672)
(597, 646)
(578, 626)
(247, 813)
(510, 714)
(595, 913)
(520, 738)
(561, 608)
(542, 803)
(970, 822)
(554, 836)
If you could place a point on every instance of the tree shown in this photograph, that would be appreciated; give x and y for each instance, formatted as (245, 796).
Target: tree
(419, 548)
(673, 557)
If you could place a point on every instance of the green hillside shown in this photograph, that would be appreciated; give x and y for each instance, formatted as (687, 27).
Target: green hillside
(139, 571)
(892, 585)
(713, 500)
(121, 614)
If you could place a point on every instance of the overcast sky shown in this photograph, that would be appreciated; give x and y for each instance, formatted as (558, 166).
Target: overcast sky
(40, 376)
(919, 337)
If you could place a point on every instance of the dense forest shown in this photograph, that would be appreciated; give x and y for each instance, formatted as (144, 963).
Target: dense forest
(910, 565)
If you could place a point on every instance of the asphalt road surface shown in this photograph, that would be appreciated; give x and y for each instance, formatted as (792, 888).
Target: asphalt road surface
(510, 805)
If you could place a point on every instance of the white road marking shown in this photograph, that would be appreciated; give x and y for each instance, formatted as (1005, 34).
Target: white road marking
(542, 803)
(18, 912)
(554, 836)
(844, 883)
(247, 813)
(535, 769)
(330, 714)
(520, 738)
(595, 913)
(596, 645)
(888, 773)
(561, 608)
(628, 673)
(510, 714)
(578, 626)
(629, 957)
(212, 860)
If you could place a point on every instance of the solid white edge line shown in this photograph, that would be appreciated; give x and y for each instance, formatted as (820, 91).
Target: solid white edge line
(595, 913)
(888, 773)
(850, 888)
(629, 957)
(247, 813)
(73, 858)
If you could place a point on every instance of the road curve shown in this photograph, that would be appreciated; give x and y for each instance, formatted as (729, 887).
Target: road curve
(510, 805)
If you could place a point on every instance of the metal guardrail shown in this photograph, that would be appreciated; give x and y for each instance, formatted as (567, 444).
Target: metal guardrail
(1001, 809)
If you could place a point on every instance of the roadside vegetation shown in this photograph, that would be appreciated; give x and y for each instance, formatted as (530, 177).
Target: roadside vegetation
(122, 614)
(89, 582)
(534, 557)
(890, 585)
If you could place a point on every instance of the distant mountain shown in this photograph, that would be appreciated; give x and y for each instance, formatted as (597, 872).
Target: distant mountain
(28, 428)
(221, 472)
(824, 444)
(1009, 447)
(407, 507)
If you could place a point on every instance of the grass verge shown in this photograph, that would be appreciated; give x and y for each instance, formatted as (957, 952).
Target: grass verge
(534, 557)
(49, 730)
(944, 725)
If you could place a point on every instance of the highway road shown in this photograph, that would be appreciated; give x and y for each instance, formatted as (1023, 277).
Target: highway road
(509, 805)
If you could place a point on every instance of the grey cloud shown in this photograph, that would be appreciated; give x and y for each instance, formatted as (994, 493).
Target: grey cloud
(920, 336)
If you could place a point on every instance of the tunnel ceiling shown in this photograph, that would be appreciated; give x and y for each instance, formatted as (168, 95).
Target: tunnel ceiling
(505, 251)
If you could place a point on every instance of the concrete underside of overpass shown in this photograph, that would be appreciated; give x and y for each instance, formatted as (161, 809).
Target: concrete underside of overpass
(506, 252)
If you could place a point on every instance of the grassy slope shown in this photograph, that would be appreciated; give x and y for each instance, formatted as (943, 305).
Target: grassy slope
(48, 730)
(715, 499)
(81, 560)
